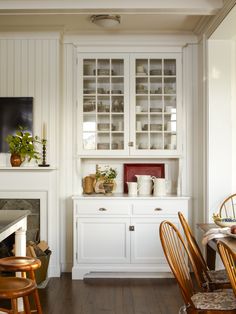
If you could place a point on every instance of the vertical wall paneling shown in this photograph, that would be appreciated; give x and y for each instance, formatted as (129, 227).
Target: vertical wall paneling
(67, 154)
(30, 67)
(3, 67)
(24, 74)
(10, 67)
(17, 55)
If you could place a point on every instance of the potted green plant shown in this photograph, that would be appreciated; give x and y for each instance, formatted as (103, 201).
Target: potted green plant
(108, 176)
(22, 146)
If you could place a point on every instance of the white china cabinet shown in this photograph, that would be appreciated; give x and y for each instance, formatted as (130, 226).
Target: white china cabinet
(129, 104)
(121, 234)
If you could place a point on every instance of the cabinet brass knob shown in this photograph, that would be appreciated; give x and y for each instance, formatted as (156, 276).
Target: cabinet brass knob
(102, 209)
(158, 209)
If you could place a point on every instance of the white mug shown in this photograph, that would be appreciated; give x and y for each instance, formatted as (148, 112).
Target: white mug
(132, 188)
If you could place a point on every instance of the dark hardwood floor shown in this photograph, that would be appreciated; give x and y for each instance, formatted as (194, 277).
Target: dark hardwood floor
(110, 296)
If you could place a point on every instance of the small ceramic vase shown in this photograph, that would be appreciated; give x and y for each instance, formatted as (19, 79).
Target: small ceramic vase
(15, 160)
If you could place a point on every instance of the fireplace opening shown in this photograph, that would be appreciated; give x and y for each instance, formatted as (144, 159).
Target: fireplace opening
(33, 221)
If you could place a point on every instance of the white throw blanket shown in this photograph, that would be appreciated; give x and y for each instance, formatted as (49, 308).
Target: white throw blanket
(215, 233)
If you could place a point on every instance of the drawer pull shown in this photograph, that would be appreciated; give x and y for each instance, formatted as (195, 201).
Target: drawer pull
(158, 209)
(102, 209)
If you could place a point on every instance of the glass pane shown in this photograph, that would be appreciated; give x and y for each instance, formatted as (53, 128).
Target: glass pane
(103, 104)
(156, 124)
(89, 85)
(89, 104)
(156, 104)
(170, 104)
(156, 85)
(103, 123)
(117, 67)
(103, 142)
(103, 67)
(156, 67)
(142, 141)
(141, 67)
(142, 122)
(170, 141)
(117, 123)
(141, 103)
(89, 123)
(103, 86)
(156, 141)
(141, 85)
(169, 86)
(117, 85)
(89, 141)
(117, 141)
(117, 104)
(89, 67)
(169, 67)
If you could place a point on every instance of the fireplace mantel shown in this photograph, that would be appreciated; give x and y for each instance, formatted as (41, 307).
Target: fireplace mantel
(37, 183)
(27, 168)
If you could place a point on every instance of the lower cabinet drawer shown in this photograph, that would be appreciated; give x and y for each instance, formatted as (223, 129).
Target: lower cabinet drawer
(159, 208)
(103, 207)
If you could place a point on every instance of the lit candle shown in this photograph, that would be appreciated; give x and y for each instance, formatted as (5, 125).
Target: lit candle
(44, 132)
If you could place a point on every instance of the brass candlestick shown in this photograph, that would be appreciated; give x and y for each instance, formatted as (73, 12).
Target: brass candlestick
(44, 163)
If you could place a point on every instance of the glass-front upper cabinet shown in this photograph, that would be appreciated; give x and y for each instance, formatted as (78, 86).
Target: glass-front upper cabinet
(103, 91)
(156, 109)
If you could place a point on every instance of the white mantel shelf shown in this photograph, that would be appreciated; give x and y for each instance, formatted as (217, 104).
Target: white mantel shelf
(27, 168)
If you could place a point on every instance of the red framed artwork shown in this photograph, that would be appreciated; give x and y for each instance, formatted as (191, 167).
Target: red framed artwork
(130, 170)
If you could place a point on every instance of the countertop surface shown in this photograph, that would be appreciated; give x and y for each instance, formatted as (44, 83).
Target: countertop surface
(126, 196)
(10, 217)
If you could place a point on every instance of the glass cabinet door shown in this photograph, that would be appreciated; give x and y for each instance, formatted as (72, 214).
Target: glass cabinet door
(102, 99)
(155, 105)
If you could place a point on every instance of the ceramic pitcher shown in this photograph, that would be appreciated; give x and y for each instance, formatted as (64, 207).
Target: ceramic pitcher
(145, 184)
(159, 188)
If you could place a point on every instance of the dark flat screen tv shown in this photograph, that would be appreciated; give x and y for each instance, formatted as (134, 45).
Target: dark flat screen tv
(14, 111)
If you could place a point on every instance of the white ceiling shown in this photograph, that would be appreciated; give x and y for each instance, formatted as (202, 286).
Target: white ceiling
(137, 16)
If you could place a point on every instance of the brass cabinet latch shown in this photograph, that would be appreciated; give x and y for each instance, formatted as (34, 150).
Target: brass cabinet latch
(131, 144)
(131, 228)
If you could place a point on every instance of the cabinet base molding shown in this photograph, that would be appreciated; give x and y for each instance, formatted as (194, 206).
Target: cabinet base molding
(82, 272)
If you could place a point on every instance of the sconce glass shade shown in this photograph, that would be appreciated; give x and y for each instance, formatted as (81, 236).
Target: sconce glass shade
(106, 20)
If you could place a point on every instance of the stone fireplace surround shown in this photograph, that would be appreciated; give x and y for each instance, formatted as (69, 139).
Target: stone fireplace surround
(33, 219)
(40, 185)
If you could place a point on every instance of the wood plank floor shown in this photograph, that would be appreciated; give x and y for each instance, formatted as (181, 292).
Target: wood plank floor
(110, 296)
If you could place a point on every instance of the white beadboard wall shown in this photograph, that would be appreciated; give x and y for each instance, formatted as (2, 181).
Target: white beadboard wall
(30, 66)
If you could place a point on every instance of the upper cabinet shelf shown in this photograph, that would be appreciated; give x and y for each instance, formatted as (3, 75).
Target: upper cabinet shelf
(129, 105)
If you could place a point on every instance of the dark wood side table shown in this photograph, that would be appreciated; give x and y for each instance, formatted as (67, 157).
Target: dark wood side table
(211, 247)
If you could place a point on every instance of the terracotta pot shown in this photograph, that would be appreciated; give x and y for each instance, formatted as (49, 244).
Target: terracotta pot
(15, 160)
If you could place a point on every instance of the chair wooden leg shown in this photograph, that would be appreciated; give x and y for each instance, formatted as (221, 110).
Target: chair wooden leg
(37, 302)
(26, 305)
(14, 306)
(36, 294)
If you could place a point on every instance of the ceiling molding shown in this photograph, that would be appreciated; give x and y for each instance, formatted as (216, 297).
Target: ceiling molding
(202, 24)
(191, 7)
(215, 22)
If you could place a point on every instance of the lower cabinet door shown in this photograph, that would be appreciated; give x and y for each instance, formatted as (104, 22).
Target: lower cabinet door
(103, 240)
(145, 241)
